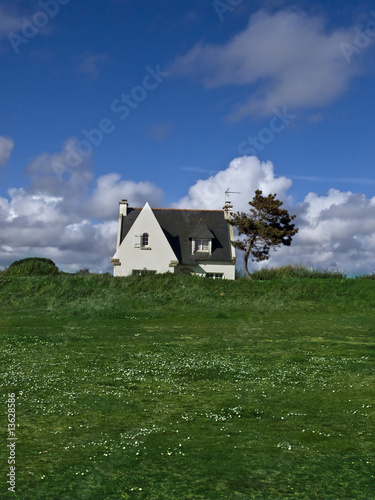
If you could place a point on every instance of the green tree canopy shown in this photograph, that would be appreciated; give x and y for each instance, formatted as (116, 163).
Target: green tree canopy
(32, 266)
(266, 226)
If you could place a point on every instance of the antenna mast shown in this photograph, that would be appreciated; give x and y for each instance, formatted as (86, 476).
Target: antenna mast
(228, 192)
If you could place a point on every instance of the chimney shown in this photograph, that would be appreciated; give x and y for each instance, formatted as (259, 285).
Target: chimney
(228, 210)
(123, 213)
(124, 207)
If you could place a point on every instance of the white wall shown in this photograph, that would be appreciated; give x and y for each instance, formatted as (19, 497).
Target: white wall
(160, 254)
(156, 258)
(227, 268)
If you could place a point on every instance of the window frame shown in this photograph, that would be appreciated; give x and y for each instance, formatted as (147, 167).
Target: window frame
(145, 238)
(202, 245)
(142, 272)
(215, 276)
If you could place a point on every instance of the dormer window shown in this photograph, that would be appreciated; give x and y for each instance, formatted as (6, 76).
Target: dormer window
(201, 239)
(202, 245)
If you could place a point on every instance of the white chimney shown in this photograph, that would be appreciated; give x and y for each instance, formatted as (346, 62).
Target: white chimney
(123, 213)
(124, 207)
(228, 210)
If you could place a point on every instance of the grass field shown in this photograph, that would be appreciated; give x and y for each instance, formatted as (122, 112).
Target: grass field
(166, 387)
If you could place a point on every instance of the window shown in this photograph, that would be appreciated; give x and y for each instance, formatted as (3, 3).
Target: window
(144, 240)
(142, 272)
(215, 276)
(201, 245)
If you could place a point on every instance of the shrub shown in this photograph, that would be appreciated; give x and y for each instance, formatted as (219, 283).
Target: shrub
(32, 266)
(295, 271)
(83, 272)
(367, 276)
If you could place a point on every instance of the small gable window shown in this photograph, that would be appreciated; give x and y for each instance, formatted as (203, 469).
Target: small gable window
(144, 240)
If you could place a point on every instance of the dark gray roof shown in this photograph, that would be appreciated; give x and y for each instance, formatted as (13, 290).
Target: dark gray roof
(179, 227)
(202, 231)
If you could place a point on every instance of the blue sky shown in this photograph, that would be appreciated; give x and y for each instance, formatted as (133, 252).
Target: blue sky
(158, 99)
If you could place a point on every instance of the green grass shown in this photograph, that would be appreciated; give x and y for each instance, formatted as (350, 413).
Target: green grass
(167, 387)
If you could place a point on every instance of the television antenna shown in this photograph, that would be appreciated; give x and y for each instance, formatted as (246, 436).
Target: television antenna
(228, 192)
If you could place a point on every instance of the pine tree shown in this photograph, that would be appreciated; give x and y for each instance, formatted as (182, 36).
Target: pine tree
(266, 226)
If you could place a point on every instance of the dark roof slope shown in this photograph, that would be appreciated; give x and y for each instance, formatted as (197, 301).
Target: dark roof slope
(180, 226)
(201, 231)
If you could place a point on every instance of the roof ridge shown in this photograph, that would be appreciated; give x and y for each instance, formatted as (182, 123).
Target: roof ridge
(180, 209)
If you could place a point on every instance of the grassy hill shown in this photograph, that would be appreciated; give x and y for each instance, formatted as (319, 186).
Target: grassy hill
(177, 387)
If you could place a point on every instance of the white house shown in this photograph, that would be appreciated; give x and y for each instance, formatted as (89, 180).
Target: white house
(157, 240)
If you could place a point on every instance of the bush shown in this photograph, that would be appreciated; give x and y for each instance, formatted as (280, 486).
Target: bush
(32, 266)
(367, 276)
(296, 271)
(83, 272)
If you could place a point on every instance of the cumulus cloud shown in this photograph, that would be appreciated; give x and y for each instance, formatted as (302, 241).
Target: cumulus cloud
(110, 189)
(73, 222)
(336, 231)
(284, 58)
(52, 173)
(244, 175)
(6, 147)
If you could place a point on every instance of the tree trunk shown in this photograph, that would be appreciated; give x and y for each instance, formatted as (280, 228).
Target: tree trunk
(246, 258)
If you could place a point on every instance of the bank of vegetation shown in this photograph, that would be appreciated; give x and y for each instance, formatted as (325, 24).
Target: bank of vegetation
(164, 386)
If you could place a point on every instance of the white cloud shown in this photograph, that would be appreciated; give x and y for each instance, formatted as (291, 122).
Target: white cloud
(41, 207)
(52, 173)
(335, 231)
(6, 147)
(110, 189)
(244, 175)
(285, 58)
(75, 223)
(69, 222)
